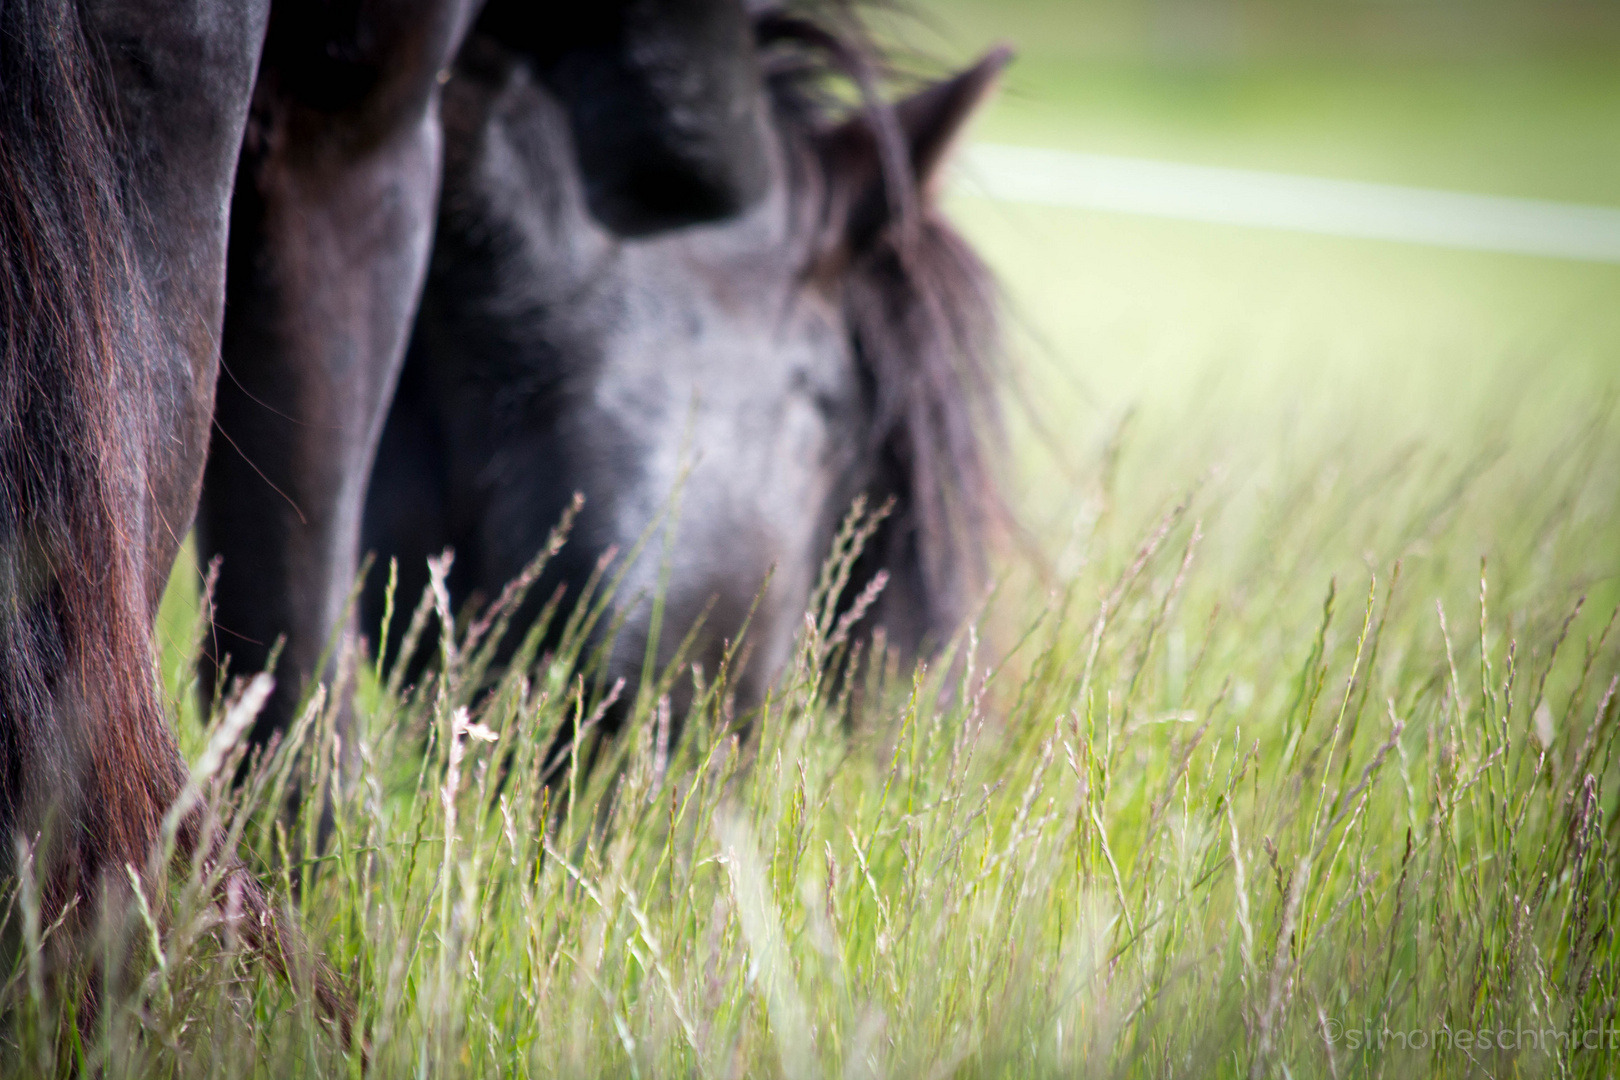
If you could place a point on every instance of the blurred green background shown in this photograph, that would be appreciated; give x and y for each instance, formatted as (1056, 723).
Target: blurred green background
(1266, 359)
(1507, 98)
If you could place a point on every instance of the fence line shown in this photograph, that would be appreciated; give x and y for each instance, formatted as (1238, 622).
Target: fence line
(1204, 193)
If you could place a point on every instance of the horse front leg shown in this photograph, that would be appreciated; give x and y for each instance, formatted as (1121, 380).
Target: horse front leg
(331, 227)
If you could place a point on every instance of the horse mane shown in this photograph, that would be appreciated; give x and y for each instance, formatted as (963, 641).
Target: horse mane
(923, 314)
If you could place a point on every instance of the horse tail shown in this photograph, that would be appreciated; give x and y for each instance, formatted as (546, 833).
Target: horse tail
(87, 761)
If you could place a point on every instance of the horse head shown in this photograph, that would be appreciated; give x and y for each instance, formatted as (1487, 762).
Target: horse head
(720, 392)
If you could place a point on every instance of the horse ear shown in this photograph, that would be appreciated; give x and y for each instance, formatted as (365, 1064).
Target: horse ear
(925, 127)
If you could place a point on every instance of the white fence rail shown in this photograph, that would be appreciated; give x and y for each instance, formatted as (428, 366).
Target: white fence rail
(1269, 200)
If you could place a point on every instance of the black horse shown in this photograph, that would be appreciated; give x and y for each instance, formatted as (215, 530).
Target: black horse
(317, 324)
(832, 339)
(182, 180)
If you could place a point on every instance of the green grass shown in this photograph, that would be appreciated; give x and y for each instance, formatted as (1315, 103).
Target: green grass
(1292, 717)
(1209, 805)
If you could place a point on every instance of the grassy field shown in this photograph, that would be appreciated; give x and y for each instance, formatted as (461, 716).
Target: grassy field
(1284, 748)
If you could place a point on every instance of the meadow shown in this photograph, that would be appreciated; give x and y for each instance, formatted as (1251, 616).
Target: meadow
(1284, 744)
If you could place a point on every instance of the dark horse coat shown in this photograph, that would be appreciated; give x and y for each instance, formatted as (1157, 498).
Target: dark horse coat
(182, 179)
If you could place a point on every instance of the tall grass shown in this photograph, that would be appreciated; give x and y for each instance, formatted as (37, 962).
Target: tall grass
(1187, 806)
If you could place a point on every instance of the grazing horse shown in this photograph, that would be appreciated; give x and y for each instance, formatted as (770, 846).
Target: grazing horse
(647, 87)
(833, 339)
(190, 186)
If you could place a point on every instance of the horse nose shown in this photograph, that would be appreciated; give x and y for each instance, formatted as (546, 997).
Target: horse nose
(719, 593)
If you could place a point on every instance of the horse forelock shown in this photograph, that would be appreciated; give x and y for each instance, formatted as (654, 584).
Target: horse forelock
(921, 308)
